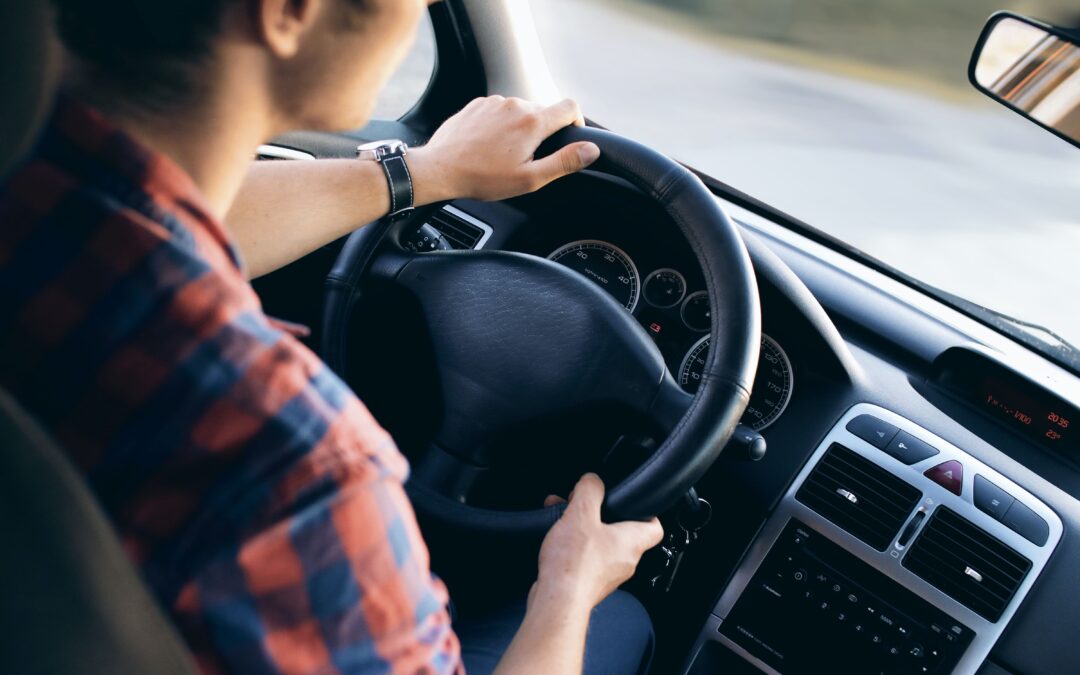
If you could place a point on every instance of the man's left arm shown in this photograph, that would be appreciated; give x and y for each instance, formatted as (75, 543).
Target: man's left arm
(285, 210)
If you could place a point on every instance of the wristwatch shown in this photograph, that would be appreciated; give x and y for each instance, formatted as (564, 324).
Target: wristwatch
(391, 155)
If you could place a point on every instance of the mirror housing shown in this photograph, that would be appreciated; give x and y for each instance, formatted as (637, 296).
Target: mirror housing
(1032, 68)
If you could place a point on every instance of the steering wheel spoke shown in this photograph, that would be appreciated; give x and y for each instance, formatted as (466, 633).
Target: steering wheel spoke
(445, 473)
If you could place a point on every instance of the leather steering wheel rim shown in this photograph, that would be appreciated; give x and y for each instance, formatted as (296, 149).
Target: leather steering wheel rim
(706, 424)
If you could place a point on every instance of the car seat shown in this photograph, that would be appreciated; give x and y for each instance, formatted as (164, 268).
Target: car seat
(71, 600)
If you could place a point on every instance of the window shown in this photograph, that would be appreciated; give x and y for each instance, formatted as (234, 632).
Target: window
(853, 115)
(410, 81)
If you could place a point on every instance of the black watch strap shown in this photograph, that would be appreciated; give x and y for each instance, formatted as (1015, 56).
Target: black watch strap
(401, 186)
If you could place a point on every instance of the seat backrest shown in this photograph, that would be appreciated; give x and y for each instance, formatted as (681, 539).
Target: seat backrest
(71, 602)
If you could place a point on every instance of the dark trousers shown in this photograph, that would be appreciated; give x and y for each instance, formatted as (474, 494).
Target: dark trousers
(619, 642)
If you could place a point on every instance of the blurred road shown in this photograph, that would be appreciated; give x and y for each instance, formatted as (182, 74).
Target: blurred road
(966, 196)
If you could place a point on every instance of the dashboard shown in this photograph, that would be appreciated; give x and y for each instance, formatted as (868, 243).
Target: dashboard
(839, 343)
(832, 578)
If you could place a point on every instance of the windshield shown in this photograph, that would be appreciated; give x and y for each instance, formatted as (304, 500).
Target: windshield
(853, 116)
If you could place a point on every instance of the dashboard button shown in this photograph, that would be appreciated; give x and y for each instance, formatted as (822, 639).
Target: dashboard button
(909, 449)
(872, 430)
(949, 475)
(1025, 522)
(991, 499)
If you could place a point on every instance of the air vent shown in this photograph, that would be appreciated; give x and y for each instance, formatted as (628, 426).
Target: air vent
(274, 152)
(967, 564)
(859, 496)
(460, 229)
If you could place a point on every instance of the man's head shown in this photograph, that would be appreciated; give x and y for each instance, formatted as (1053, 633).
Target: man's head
(317, 63)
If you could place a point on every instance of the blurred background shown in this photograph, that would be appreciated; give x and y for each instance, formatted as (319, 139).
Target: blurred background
(855, 116)
(929, 38)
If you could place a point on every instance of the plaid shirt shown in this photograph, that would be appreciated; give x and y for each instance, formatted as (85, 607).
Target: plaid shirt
(260, 500)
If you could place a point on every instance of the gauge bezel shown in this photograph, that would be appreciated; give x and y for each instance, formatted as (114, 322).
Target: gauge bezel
(635, 292)
(682, 311)
(779, 410)
(653, 274)
(686, 358)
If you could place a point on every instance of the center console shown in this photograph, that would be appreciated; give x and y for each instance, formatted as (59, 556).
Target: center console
(892, 552)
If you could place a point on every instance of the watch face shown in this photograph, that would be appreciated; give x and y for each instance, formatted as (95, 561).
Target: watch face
(380, 149)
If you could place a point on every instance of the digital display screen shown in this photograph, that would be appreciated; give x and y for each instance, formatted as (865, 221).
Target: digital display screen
(999, 393)
(1049, 424)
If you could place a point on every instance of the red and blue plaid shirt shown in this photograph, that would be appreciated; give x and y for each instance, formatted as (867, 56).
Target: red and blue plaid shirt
(260, 500)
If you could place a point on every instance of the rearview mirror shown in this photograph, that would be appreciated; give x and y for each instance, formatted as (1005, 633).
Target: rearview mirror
(1033, 68)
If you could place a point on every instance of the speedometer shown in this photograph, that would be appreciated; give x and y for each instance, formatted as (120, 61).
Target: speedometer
(604, 264)
(772, 384)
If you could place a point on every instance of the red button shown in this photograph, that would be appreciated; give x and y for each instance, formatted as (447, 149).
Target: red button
(949, 475)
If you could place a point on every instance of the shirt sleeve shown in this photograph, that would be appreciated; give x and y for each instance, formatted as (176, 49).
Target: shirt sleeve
(341, 584)
(304, 555)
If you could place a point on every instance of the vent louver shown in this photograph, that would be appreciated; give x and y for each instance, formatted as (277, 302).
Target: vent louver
(968, 564)
(859, 496)
(459, 232)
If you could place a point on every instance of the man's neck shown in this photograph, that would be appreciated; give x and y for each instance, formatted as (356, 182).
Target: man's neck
(213, 141)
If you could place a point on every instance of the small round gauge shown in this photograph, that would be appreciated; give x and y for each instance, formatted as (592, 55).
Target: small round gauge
(606, 265)
(772, 383)
(696, 312)
(665, 287)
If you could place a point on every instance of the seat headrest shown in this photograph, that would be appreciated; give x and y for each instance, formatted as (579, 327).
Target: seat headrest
(29, 69)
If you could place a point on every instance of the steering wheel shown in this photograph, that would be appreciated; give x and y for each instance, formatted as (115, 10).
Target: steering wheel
(519, 338)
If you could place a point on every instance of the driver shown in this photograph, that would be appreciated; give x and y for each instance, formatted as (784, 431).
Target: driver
(260, 500)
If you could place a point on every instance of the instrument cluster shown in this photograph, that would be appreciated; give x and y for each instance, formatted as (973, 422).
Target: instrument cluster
(678, 317)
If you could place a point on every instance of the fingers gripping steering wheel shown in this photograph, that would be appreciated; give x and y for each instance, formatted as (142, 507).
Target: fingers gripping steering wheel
(518, 337)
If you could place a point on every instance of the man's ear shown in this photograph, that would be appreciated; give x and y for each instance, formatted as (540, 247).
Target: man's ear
(283, 23)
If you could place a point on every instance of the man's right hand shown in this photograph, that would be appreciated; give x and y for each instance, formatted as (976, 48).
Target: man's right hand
(583, 559)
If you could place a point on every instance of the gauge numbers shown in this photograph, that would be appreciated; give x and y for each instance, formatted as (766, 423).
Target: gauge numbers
(604, 264)
(772, 384)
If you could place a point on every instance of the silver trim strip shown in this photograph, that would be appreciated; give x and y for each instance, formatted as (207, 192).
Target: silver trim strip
(472, 220)
(889, 563)
(281, 152)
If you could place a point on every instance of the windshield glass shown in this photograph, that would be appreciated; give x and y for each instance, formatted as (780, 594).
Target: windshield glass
(854, 116)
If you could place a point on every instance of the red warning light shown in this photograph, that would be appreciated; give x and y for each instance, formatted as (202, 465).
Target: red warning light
(655, 327)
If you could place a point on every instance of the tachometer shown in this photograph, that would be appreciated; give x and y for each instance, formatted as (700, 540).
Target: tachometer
(606, 265)
(772, 384)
